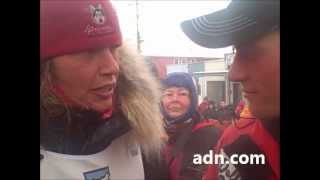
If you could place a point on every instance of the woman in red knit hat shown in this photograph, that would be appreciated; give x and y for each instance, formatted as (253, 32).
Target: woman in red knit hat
(98, 101)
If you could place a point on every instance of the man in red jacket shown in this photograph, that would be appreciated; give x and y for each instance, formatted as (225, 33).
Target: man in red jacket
(253, 28)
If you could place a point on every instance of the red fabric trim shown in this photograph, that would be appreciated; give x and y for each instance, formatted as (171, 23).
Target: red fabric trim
(259, 135)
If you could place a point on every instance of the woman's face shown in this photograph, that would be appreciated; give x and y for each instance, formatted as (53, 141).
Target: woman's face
(176, 101)
(88, 78)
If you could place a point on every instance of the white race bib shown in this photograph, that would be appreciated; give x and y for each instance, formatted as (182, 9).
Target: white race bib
(119, 161)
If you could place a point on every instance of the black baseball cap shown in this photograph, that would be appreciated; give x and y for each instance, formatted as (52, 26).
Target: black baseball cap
(241, 21)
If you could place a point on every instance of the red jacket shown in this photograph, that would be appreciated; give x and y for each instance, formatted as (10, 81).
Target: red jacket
(207, 135)
(248, 132)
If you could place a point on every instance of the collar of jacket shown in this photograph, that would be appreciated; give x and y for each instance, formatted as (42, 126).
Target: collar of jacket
(83, 134)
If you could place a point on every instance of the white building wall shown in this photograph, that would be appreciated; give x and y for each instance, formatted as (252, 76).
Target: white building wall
(203, 83)
(177, 68)
(214, 65)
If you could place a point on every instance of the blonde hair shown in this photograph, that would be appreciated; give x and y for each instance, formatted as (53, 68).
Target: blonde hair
(138, 96)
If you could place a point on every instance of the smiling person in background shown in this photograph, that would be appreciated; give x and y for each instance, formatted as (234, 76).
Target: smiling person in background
(98, 100)
(188, 134)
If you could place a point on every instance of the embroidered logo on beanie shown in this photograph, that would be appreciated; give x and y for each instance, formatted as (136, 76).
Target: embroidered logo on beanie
(101, 24)
(97, 14)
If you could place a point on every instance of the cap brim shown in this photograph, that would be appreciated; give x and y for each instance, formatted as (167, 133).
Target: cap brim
(220, 29)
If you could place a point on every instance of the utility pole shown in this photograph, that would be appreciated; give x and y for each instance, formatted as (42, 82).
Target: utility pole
(138, 31)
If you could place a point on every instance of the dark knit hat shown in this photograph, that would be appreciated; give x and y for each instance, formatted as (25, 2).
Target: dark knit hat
(181, 79)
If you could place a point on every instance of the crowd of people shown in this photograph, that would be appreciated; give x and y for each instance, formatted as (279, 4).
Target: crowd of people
(104, 113)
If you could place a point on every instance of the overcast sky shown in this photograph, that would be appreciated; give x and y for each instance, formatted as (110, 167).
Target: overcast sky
(159, 25)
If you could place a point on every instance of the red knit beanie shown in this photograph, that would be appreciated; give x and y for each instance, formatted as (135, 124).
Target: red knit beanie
(72, 26)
